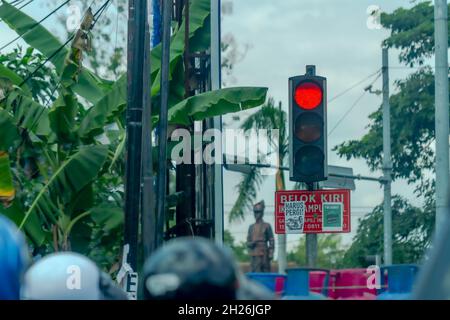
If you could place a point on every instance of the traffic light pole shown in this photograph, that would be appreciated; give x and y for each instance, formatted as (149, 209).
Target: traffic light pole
(311, 239)
(387, 164)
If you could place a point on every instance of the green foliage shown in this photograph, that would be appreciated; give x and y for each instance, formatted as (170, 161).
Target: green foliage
(199, 11)
(411, 229)
(267, 117)
(89, 86)
(9, 133)
(412, 130)
(43, 82)
(214, 103)
(412, 108)
(69, 181)
(330, 252)
(40, 39)
(7, 191)
(105, 111)
(240, 250)
(412, 31)
(55, 172)
(107, 57)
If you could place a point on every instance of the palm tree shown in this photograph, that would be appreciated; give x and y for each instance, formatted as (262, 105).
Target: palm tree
(268, 117)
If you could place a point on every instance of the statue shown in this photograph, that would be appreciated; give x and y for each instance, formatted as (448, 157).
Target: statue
(260, 241)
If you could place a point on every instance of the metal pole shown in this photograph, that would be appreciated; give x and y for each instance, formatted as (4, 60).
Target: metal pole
(377, 260)
(387, 165)
(282, 238)
(311, 240)
(217, 121)
(148, 197)
(442, 112)
(282, 257)
(162, 157)
(135, 66)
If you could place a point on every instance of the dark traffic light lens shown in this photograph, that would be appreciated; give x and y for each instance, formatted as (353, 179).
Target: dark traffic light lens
(309, 160)
(308, 127)
(308, 95)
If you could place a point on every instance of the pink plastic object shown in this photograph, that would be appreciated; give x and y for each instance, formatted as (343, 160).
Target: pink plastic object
(317, 281)
(350, 284)
(279, 286)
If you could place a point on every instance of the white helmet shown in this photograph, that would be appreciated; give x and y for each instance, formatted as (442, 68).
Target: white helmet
(66, 276)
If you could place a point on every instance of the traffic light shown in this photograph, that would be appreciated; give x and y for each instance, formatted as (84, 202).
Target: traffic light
(308, 127)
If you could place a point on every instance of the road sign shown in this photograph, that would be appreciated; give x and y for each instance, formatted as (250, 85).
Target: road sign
(322, 211)
(334, 182)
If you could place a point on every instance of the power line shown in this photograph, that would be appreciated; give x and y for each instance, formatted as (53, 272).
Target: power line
(352, 107)
(117, 29)
(35, 25)
(353, 86)
(48, 100)
(14, 3)
(96, 15)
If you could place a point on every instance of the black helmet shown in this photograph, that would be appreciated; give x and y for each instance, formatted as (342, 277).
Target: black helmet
(190, 269)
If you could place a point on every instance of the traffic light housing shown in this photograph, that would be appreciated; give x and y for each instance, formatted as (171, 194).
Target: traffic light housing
(308, 127)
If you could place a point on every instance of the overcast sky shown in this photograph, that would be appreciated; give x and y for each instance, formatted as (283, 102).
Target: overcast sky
(286, 35)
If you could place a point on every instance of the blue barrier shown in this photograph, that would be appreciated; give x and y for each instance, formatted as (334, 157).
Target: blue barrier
(297, 284)
(269, 280)
(400, 280)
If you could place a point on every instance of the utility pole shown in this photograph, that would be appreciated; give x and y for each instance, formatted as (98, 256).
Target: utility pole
(387, 164)
(282, 250)
(442, 112)
(148, 196)
(311, 239)
(163, 122)
(216, 83)
(135, 59)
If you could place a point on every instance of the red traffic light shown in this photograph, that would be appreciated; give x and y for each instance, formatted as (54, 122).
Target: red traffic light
(308, 95)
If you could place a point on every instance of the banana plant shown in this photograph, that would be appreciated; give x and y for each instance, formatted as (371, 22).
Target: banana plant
(76, 184)
(7, 191)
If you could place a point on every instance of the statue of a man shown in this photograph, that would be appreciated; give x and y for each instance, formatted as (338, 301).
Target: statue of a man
(260, 241)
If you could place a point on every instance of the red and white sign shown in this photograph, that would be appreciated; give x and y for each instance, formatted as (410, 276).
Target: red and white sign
(321, 211)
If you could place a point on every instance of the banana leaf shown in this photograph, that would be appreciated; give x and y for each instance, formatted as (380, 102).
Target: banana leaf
(8, 131)
(10, 76)
(215, 103)
(199, 11)
(109, 106)
(89, 87)
(71, 177)
(33, 226)
(28, 114)
(7, 192)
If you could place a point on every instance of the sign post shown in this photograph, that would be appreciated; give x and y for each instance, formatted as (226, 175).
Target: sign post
(312, 212)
